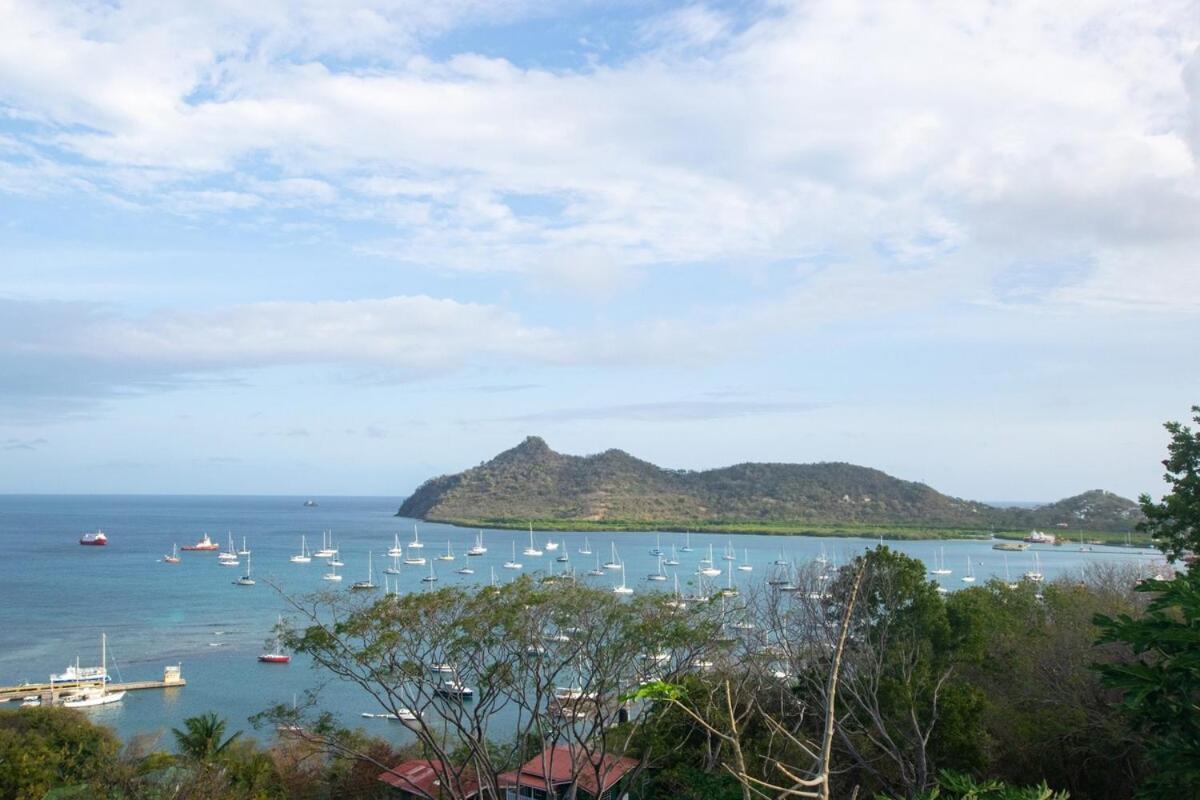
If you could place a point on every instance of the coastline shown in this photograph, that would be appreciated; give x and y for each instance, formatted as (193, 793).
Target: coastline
(817, 530)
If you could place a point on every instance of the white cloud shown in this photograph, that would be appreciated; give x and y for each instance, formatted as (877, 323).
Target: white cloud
(955, 135)
(417, 333)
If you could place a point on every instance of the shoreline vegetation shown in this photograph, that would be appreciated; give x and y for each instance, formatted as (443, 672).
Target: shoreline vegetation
(888, 532)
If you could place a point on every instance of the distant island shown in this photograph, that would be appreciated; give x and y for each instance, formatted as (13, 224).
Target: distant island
(531, 484)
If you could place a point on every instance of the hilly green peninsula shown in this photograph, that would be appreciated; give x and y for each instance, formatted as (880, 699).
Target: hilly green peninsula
(532, 485)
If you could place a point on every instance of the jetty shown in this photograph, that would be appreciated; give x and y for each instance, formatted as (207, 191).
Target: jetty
(49, 693)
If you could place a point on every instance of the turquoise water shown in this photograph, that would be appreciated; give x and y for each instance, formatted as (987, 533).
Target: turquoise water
(56, 597)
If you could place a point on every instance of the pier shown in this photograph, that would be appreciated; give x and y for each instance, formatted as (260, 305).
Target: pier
(51, 692)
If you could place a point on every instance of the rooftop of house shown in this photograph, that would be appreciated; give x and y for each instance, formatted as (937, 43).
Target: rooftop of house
(559, 764)
(422, 776)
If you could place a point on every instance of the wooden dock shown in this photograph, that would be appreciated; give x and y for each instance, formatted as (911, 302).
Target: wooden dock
(51, 692)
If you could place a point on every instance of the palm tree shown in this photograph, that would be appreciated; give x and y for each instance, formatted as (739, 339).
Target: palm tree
(201, 738)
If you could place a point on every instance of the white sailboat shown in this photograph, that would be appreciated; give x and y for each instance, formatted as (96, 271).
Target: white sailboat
(395, 551)
(512, 563)
(687, 542)
(970, 576)
(657, 550)
(229, 557)
(745, 566)
(551, 545)
(97, 695)
(431, 577)
(174, 557)
(586, 550)
(302, 557)
(326, 550)
(335, 560)
(673, 561)
(658, 575)
(448, 555)
(245, 551)
(598, 570)
(940, 564)
(332, 575)
(394, 569)
(1035, 574)
(415, 544)
(676, 600)
(477, 549)
(615, 563)
(622, 589)
(245, 580)
(710, 571)
(531, 550)
(369, 583)
(729, 555)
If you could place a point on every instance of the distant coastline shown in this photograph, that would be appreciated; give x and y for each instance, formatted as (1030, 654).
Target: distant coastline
(892, 533)
(532, 485)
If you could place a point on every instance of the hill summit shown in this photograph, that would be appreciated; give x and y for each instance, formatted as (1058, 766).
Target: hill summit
(531, 482)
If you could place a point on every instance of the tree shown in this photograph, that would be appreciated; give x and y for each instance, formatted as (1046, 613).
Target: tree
(956, 786)
(1162, 686)
(45, 748)
(904, 710)
(1046, 713)
(201, 738)
(1174, 522)
(557, 659)
(782, 761)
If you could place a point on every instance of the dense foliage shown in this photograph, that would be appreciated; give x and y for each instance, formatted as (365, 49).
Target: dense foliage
(58, 754)
(1162, 686)
(43, 748)
(1174, 522)
(531, 482)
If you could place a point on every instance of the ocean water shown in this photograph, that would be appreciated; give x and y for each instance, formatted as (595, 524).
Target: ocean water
(56, 597)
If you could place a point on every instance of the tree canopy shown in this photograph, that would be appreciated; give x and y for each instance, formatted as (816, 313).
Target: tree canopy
(1174, 521)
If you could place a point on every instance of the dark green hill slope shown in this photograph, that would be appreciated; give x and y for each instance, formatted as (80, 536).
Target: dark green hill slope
(532, 483)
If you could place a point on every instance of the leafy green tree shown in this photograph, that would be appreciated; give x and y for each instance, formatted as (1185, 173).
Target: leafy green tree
(956, 786)
(1046, 713)
(201, 738)
(46, 748)
(516, 646)
(904, 709)
(1174, 522)
(1162, 686)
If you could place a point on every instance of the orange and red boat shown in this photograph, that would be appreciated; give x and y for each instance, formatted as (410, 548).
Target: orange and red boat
(203, 544)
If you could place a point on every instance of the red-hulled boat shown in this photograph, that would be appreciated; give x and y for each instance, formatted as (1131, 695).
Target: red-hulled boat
(204, 544)
(96, 539)
(276, 655)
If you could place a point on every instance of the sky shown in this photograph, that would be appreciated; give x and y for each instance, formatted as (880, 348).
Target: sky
(319, 248)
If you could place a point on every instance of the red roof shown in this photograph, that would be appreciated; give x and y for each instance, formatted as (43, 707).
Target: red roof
(561, 765)
(423, 776)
